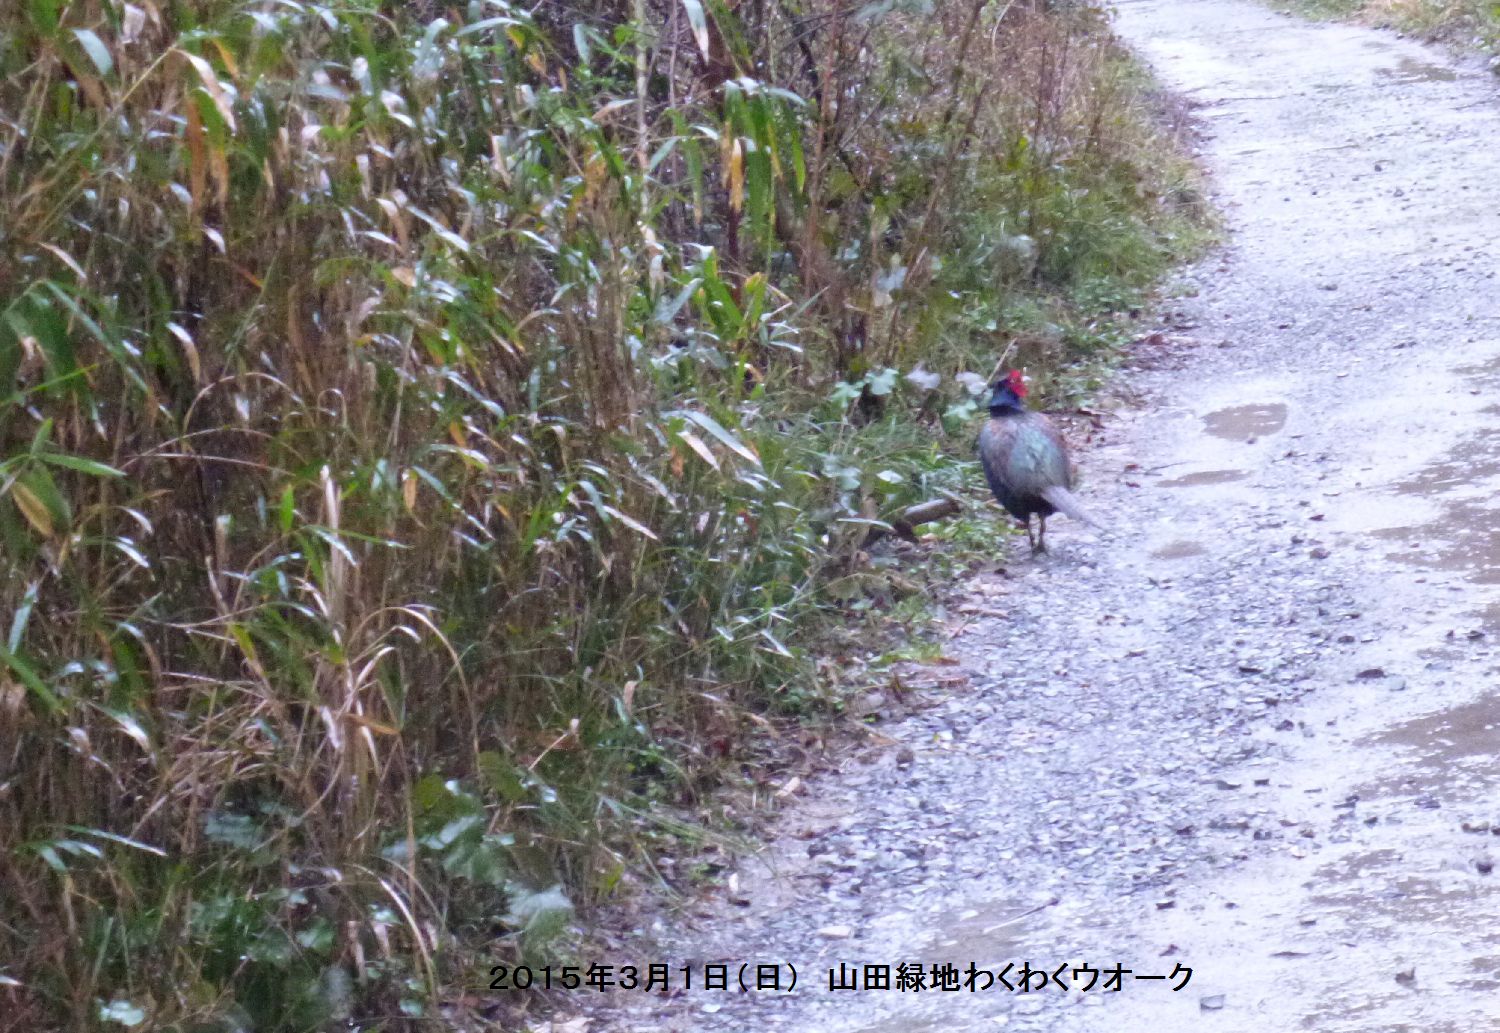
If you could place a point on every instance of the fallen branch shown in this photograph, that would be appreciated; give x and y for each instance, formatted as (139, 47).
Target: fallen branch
(904, 526)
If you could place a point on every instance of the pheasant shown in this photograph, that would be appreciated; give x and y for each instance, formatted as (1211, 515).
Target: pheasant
(1026, 461)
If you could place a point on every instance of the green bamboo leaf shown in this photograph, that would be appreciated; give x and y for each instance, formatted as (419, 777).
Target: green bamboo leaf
(134, 844)
(484, 26)
(667, 310)
(22, 616)
(32, 509)
(42, 436)
(698, 22)
(128, 549)
(776, 645)
(33, 316)
(758, 178)
(247, 645)
(10, 356)
(335, 542)
(630, 522)
(96, 50)
(288, 509)
(110, 344)
(786, 95)
(596, 499)
(80, 464)
(715, 428)
(791, 144)
(22, 670)
(131, 726)
(215, 90)
(36, 495)
(759, 111)
(727, 318)
(694, 442)
(661, 153)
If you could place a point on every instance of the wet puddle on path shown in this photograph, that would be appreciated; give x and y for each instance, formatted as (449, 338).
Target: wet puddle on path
(986, 936)
(1361, 889)
(1465, 535)
(1410, 70)
(1465, 538)
(1178, 550)
(991, 932)
(1246, 421)
(1189, 480)
(1451, 736)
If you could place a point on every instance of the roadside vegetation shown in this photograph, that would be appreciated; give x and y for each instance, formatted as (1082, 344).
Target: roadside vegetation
(434, 437)
(1474, 24)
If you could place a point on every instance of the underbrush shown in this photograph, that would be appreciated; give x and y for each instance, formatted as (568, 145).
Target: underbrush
(1467, 23)
(435, 435)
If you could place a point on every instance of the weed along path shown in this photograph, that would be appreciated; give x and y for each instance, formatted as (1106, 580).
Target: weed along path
(1255, 732)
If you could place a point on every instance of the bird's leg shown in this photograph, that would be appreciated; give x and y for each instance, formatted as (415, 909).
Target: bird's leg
(1041, 539)
(1030, 538)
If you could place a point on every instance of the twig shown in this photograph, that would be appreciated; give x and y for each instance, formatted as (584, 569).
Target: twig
(904, 526)
(1004, 358)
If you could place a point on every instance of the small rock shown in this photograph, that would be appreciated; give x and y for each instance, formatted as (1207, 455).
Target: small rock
(1213, 1002)
(835, 932)
(1319, 553)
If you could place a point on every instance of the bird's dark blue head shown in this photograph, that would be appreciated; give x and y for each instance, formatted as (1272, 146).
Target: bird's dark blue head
(1009, 392)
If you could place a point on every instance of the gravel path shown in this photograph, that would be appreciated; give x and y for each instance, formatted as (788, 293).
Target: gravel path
(1253, 731)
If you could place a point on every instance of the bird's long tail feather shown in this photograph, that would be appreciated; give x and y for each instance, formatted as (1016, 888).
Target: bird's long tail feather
(1063, 501)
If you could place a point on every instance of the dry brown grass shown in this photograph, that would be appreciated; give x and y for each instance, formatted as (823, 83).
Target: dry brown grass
(428, 435)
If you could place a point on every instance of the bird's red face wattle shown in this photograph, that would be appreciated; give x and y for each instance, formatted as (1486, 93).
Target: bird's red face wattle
(1017, 384)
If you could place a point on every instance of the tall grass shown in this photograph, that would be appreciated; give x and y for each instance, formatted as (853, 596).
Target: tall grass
(425, 430)
(1468, 23)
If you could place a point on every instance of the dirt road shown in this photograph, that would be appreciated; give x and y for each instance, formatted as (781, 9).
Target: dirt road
(1255, 732)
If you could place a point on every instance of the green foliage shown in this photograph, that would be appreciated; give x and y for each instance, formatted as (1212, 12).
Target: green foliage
(429, 434)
